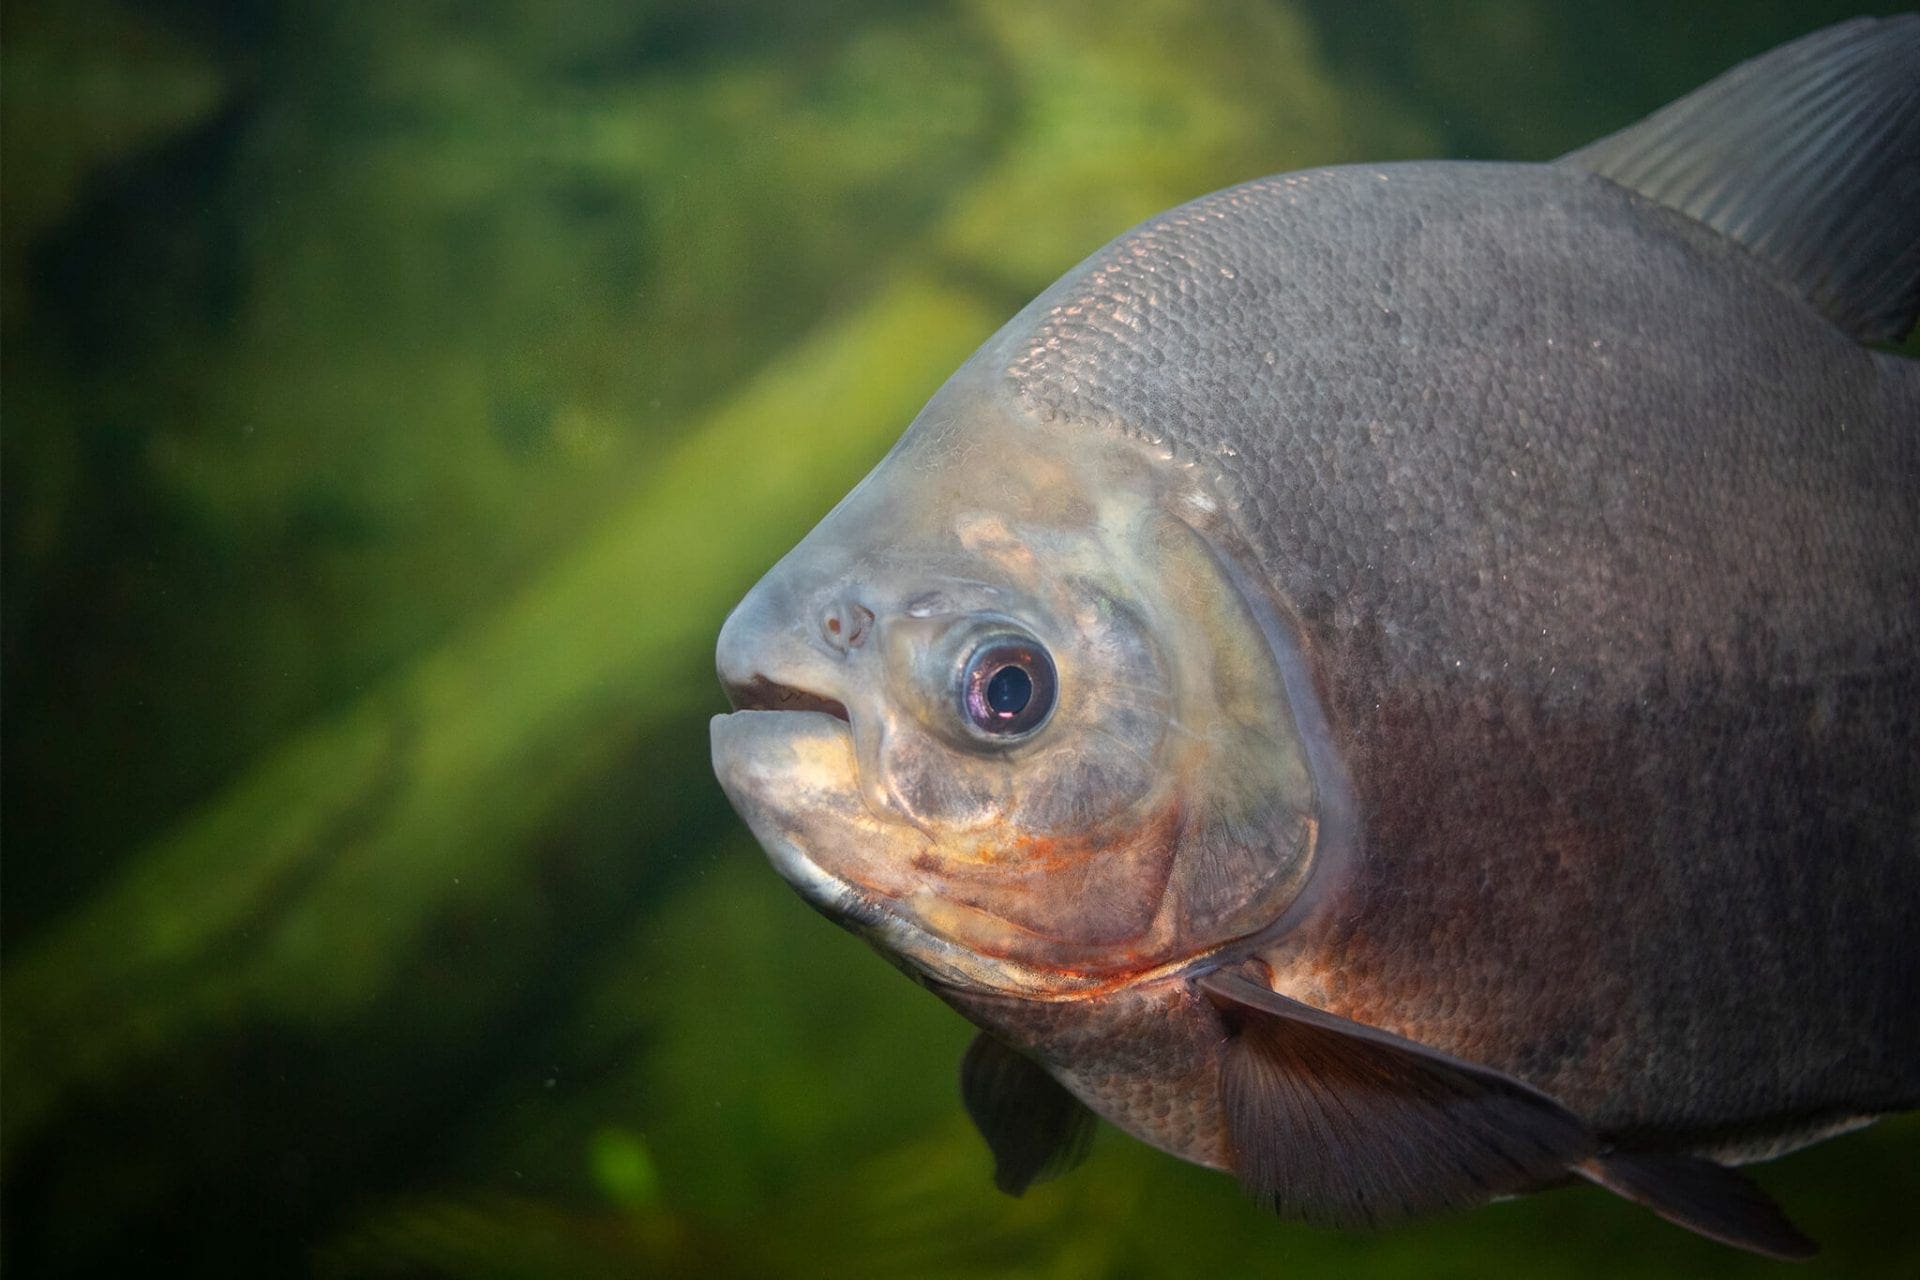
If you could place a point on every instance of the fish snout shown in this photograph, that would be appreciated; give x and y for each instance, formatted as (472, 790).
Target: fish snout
(775, 654)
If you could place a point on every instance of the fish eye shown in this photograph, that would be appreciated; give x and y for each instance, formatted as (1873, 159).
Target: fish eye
(1007, 689)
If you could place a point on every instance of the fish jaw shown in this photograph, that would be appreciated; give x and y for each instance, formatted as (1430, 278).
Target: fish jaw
(757, 753)
(786, 773)
(802, 758)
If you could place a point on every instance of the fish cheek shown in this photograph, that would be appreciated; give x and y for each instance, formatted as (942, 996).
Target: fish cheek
(1085, 903)
(1054, 842)
(938, 789)
(1099, 880)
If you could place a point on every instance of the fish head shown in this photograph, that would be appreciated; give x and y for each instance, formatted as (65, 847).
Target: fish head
(1012, 711)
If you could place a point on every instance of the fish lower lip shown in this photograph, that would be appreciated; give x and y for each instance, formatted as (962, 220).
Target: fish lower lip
(762, 694)
(897, 935)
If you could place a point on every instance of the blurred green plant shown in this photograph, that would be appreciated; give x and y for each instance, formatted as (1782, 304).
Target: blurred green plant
(623, 1169)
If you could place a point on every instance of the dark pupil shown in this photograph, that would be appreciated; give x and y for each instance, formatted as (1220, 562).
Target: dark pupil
(1009, 691)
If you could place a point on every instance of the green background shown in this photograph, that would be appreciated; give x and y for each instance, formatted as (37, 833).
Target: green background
(396, 396)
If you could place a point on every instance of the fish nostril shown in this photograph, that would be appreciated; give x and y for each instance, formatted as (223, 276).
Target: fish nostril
(846, 624)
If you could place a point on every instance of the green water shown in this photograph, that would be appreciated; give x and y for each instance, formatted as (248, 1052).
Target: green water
(395, 398)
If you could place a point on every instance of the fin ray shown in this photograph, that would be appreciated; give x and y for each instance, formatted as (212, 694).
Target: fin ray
(1809, 156)
(1034, 1127)
(1705, 1198)
(1346, 1125)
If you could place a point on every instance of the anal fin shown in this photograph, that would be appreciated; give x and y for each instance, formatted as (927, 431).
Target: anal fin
(1703, 1197)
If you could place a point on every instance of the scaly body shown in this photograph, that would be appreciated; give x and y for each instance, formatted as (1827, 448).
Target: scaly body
(1403, 682)
(1605, 556)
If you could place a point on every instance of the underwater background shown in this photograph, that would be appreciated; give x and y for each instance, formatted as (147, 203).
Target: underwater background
(394, 399)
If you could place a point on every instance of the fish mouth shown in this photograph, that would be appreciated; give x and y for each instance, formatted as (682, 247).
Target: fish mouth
(762, 755)
(775, 756)
(758, 747)
(761, 693)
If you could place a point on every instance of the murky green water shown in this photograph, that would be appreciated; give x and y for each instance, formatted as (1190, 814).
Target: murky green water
(395, 398)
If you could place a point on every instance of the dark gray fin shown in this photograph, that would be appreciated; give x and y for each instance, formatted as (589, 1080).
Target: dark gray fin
(1810, 157)
(1703, 1197)
(1034, 1127)
(1344, 1125)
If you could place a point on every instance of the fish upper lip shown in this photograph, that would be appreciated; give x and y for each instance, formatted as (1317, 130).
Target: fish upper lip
(759, 693)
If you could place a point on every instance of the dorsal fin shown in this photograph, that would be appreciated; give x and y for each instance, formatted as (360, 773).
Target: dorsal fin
(1810, 157)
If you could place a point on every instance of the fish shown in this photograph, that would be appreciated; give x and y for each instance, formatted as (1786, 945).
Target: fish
(1401, 682)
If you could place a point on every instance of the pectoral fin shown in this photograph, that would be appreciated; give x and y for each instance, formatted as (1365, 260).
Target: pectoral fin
(1703, 1197)
(1343, 1124)
(1034, 1127)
